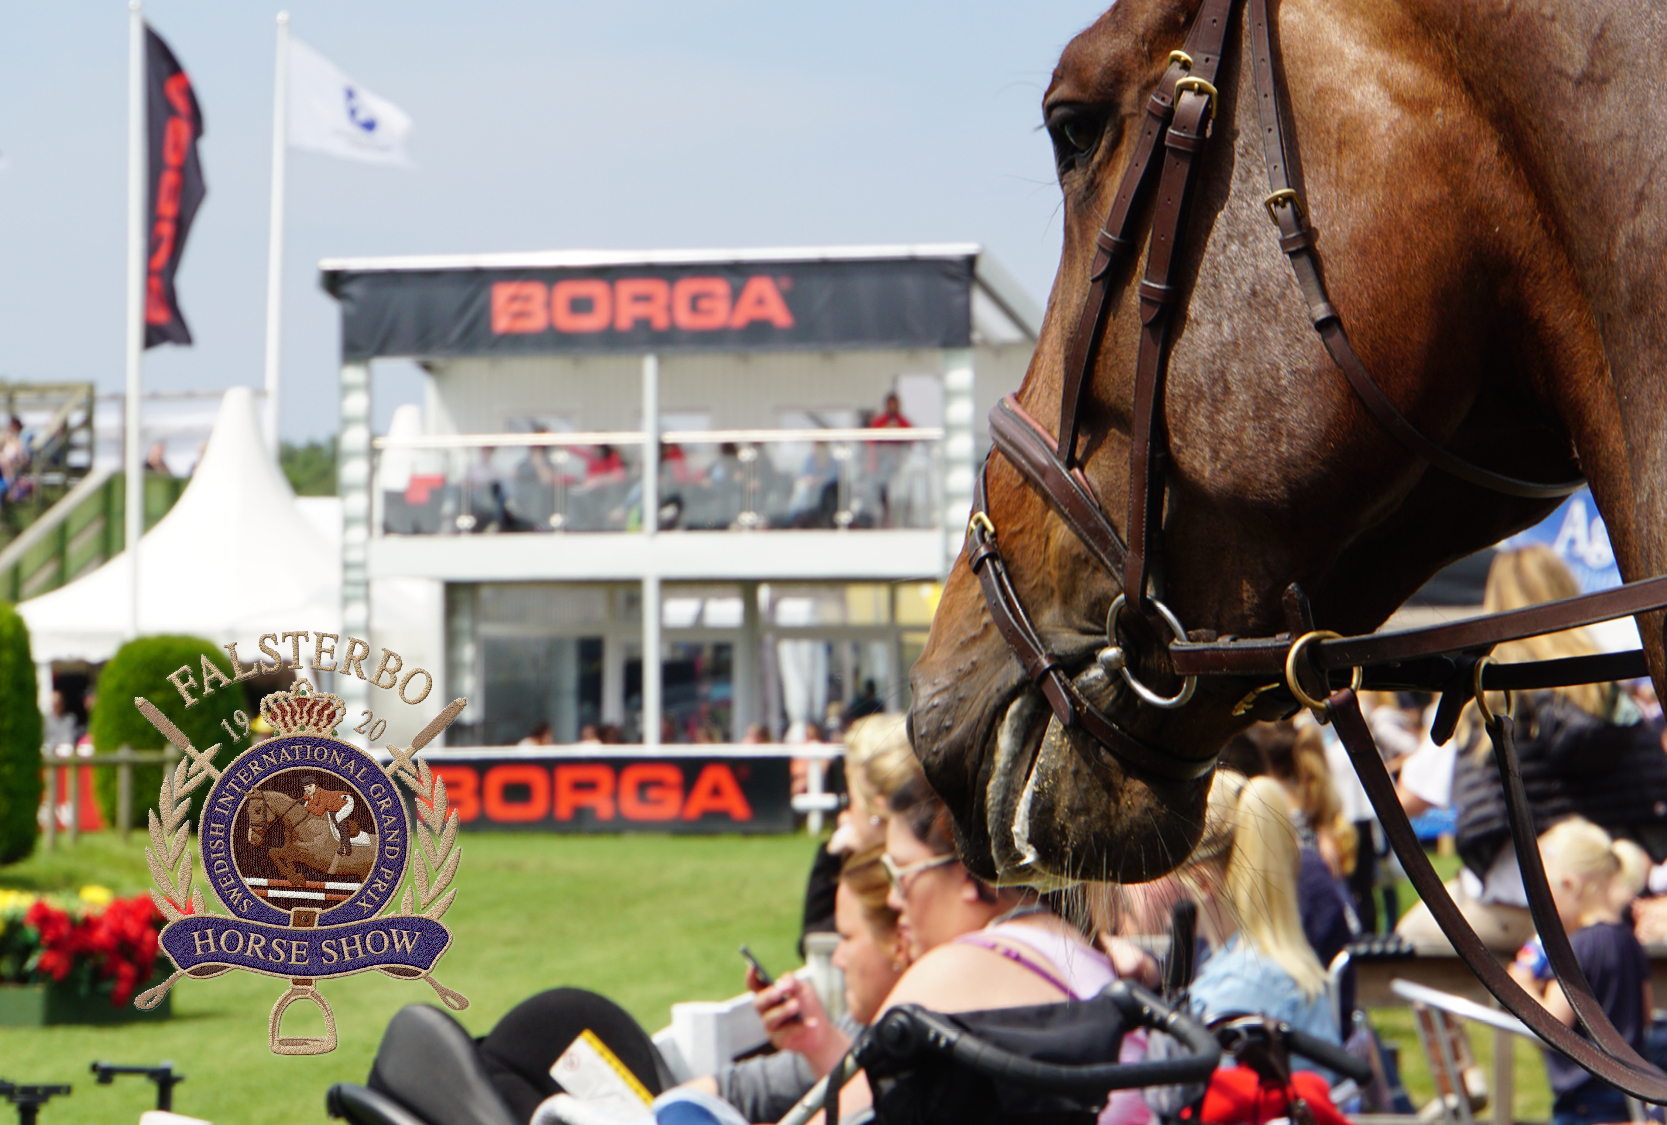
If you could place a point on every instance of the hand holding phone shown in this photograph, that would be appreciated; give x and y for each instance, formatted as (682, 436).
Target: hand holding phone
(765, 980)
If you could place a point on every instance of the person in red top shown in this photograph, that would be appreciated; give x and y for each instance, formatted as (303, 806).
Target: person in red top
(885, 458)
(891, 418)
(335, 807)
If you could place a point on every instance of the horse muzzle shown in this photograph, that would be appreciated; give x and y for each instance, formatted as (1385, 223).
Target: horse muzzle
(1062, 808)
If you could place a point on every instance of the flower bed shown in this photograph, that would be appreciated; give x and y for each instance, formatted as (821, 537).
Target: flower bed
(93, 948)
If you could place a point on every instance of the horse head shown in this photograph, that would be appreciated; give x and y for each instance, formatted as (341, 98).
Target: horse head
(262, 820)
(1473, 311)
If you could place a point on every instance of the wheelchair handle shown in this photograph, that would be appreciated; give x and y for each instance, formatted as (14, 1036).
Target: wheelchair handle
(909, 1029)
(1328, 1055)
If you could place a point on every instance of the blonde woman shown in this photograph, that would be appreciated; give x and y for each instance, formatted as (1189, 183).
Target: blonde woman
(878, 762)
(1584, 750)
(1584, 865)
(1246, 880)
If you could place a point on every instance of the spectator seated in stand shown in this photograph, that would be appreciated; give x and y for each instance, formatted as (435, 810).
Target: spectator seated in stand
(1584, 750)
(878, 761)
(1244, 875)
(972, 946)
(1590, 873)
(519, 1055)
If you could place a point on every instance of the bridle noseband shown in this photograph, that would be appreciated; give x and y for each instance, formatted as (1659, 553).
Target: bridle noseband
(1450, 659)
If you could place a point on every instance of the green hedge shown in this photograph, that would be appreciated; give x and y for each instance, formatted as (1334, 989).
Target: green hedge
(20, 740)
(140, 669)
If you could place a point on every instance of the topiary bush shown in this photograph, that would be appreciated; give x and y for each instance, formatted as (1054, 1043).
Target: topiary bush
(140, 669)
(20, 740)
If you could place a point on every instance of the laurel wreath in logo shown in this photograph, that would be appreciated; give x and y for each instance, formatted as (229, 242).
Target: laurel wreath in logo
(169, 854)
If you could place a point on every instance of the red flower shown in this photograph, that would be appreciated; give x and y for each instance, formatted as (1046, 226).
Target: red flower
(118, 943)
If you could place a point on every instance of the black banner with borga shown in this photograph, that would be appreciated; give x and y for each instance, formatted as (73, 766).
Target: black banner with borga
(923, 302)
(175, 183)
(686, 795)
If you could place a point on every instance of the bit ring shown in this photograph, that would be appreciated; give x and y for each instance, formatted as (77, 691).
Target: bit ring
(1188, 685)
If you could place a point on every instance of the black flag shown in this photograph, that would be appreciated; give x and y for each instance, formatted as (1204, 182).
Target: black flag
(175, 183)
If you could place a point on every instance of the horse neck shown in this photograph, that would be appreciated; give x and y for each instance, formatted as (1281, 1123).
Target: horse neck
(1571, 85)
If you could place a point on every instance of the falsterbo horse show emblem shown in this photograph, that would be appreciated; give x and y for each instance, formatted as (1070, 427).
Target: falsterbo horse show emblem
(305, 842)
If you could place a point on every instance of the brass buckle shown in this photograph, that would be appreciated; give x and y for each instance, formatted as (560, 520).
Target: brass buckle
(1193, 85)
(1180, 57)
(1283, 195)
(1488, 717)
(1320, 708)
(982, 522)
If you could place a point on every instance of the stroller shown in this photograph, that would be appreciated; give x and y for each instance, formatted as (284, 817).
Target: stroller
(1037, 1065)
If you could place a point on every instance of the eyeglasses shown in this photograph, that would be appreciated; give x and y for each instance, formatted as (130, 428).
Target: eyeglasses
(900, 876)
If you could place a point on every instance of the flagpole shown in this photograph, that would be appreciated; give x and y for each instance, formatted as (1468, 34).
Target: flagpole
(136, 173)
(275, 239)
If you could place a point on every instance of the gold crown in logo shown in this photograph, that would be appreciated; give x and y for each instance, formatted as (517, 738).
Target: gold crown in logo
(303, 711)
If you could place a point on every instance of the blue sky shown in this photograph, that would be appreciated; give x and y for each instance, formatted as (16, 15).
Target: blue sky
(619, 125)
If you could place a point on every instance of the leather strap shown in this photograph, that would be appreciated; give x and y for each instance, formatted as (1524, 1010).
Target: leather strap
(1148, 435)
(1116, 241)
(1297, 240)
(1265, 657)
(1029, 449)
(1547, 924)
(1044, 670)
(1646, 1083)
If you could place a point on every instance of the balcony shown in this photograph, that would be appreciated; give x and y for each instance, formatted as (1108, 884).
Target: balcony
(807, 503)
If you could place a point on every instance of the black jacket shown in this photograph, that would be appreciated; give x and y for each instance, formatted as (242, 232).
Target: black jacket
(1573, 764)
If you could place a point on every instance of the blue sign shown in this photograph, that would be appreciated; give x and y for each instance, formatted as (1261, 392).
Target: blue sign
(1575, 534)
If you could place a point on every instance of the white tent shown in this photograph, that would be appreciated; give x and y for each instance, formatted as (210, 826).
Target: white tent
(233, 559)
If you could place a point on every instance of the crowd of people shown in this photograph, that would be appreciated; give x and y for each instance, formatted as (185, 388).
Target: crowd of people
(595, 488)
(916, 926)
(1287, 873)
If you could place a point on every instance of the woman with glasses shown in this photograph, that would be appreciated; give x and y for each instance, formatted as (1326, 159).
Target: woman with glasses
(975, 947)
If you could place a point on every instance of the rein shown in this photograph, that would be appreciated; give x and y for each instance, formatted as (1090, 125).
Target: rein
(1450, 659)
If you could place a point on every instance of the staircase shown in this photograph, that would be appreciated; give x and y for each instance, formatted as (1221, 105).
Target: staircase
(81, 532)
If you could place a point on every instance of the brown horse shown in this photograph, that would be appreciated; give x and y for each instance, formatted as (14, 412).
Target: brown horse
(1483, 179)
(306, 839)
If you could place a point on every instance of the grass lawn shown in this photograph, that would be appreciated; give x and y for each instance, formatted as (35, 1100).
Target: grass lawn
(647, 920)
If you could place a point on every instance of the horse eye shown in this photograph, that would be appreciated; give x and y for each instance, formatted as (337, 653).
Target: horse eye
(1076, 133)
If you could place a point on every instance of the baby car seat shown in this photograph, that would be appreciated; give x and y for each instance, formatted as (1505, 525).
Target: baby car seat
(427, 1072)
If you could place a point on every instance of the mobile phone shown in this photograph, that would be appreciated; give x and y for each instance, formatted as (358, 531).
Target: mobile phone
(764, 978)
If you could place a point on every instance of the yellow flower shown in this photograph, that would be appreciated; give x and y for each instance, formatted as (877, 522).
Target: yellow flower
(94, 895)
(15, 900)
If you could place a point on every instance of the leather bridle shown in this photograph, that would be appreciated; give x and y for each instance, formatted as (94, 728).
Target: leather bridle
(1450, 659)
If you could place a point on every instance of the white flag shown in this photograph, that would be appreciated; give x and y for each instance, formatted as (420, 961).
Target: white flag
(329, 112)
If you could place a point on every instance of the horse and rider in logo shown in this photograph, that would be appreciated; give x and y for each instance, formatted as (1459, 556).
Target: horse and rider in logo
(293, 821)
(305, 841)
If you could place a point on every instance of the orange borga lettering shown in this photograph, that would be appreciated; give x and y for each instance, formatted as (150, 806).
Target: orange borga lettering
(650, 791)
(700, 304)
(642, 298)
(716, 790)
(584, 305)
(760, 300)
(520, 306)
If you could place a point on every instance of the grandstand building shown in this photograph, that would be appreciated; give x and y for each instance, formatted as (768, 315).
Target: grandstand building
(814, 419)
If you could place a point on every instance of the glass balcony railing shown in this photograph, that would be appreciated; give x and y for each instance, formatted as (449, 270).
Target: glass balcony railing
(708, 480)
